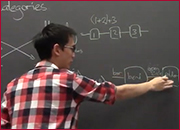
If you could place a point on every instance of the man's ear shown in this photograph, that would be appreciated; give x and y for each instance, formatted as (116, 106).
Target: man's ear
(56, 50)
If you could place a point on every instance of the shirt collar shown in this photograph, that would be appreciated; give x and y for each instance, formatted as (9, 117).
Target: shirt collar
(46, 64)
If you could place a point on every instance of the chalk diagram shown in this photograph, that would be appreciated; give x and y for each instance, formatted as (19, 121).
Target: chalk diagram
(137, 74)
(19, 48)
(115, 32)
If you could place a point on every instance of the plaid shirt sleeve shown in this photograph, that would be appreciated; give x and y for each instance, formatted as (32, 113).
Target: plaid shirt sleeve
(5, 119)
(89, 89)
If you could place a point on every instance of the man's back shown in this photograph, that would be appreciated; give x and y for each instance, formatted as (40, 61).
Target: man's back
(49, 98)
(42, 98)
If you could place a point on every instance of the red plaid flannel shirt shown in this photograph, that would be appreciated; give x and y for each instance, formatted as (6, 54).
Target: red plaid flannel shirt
(49, 98)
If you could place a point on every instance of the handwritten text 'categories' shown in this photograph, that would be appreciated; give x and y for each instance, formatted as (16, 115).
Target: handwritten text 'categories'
(22, 8)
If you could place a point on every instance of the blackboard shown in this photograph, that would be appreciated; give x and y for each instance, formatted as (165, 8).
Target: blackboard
(117, 41)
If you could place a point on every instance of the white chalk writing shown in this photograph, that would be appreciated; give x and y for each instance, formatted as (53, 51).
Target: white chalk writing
(115, 32)
(103, 20)
(22, 8)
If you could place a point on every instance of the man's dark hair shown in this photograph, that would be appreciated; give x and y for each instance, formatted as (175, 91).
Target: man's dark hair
(50, 35)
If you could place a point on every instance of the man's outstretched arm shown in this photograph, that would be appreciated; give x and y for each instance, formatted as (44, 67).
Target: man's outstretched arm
(133, 90)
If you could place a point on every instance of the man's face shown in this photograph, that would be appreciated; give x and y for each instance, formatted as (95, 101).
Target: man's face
(68, 54)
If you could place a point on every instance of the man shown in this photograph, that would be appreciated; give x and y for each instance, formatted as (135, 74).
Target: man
(48, 97)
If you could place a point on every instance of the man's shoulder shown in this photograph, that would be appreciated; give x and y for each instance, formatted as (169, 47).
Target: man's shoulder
(15, 81)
